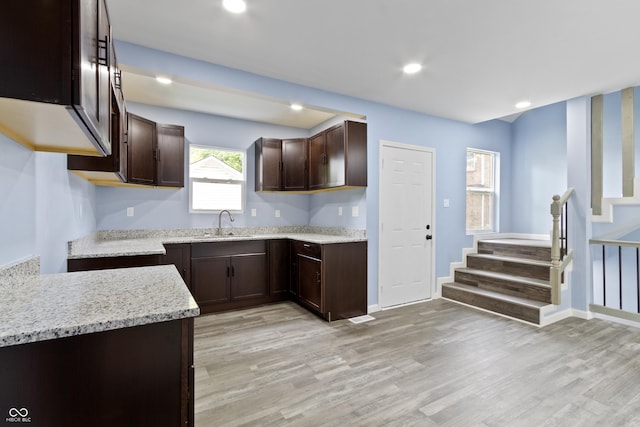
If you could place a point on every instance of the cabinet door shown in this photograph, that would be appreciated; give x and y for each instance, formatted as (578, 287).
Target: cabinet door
(317, 166)
(93, 100)
(179, 254)
(210, 280)
(335, 159)
(294, 160)
(170, 155)
(268, 164)
(278, 266)
(249, 278)
(141, 150)
(310, 282)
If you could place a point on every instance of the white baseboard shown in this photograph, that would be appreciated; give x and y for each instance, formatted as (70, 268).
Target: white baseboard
(615, 319)
(586, 315)
(373, 308)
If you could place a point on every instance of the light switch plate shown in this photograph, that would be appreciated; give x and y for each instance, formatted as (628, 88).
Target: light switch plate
(277, 213)
(355, 211)
(339, 210)
(129, 211)
(253, 212)
(445, 203)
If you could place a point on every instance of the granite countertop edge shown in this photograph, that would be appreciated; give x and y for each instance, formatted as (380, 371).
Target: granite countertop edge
(94, 247)
(51, 306)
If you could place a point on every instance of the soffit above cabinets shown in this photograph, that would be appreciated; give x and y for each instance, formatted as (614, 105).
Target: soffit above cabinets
(141, 86)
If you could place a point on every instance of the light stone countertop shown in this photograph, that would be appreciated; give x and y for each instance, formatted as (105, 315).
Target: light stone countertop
(36, 308)
(121, 244)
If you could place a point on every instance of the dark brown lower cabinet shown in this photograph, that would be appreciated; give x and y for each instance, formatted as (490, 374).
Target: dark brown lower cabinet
(279, 267)
(310, 282)
(104, 263)
(228, 275)
(136, 376)
(330, 280)
(179, 254)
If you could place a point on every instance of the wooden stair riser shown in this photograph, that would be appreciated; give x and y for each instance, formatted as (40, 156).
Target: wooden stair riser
(538, 253)
(533, 271)
(529, 314)
(505, 286)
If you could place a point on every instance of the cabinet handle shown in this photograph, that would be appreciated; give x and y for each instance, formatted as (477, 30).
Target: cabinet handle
(227, 271)
(103, 47)
(233, 271)
(318, 277)
(118, 80)
(306, 245)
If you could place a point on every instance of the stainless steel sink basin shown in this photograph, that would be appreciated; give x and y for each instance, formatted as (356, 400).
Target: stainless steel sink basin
(223, 237)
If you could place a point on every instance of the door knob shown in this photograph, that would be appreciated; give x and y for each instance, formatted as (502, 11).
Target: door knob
(429, 237)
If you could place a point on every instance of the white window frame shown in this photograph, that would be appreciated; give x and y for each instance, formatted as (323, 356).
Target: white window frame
(243, 183)
(495, 191)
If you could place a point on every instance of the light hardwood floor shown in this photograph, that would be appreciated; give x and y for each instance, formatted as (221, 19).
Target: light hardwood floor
(430, 364)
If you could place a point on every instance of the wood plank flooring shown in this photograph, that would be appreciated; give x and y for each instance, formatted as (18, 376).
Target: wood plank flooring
(430, 364)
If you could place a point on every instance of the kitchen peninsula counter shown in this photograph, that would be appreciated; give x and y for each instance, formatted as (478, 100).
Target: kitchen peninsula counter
(42, 307)
(116, 346)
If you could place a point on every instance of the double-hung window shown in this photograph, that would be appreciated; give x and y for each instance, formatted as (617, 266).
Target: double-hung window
(481, 191)
(216, 179)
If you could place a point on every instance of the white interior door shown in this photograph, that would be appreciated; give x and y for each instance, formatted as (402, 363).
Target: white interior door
(406, 224)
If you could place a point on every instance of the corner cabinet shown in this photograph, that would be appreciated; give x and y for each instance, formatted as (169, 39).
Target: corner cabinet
(330, 280)
(332, 159)
(338, 157)
(55, 77)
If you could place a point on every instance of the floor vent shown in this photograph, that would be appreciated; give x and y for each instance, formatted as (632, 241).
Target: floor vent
(361, 319)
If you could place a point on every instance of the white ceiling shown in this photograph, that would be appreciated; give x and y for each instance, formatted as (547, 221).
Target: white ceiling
(479, 57)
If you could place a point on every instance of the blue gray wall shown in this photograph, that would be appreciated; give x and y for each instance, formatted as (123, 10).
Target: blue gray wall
(540, 167)
(42, 206)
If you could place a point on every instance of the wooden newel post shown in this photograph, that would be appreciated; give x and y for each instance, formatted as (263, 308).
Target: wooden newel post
(556, 211)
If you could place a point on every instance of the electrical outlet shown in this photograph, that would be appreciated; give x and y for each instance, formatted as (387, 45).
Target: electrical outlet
(445, 203)
(355, 211)
(339, 210)
(253, 212)
(277, 213)
(129, 211)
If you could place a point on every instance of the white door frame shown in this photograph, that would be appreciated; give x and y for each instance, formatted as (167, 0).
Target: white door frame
(433, 214)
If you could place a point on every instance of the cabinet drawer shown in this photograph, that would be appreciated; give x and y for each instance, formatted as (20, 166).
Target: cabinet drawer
(313, 250)
(208, 249)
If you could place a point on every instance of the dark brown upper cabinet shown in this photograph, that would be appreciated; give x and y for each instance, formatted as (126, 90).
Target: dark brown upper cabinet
(170, 155)
(268, 164)
(294, 164)
(55, 75)
(112, 169)
(333, 158)
(338, 157)
(155, 153)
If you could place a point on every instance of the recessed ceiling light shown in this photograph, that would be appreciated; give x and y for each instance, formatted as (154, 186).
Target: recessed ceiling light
(523, 104)
(234, 6)
(412, 68)
(296, 107)
(163, 80)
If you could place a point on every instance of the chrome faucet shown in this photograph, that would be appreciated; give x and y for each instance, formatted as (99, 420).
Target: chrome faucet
(220, 220)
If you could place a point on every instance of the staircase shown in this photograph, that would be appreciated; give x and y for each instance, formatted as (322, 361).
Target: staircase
(506, 276)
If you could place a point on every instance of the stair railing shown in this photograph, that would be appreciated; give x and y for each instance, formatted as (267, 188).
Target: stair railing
(561, 256)
(624, 261)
